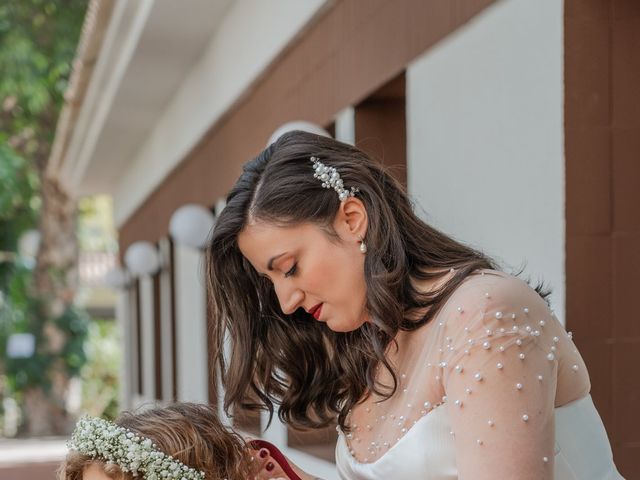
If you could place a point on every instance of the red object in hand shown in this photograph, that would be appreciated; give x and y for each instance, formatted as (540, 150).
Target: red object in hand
(277, 456)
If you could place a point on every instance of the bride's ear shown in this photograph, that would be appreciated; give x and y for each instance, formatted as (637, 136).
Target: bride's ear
(351, 220)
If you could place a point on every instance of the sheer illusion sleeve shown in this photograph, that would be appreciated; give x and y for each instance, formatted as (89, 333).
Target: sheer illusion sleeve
(499, 366)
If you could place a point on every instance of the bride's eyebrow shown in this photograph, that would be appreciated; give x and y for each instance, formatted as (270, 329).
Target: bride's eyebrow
(273, 259)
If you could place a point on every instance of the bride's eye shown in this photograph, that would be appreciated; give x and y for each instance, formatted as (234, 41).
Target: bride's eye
(291, 271)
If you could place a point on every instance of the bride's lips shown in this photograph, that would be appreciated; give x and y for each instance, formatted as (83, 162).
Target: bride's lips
(315, 311)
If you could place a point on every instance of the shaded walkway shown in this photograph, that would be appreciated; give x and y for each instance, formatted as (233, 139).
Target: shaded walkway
(31, 459)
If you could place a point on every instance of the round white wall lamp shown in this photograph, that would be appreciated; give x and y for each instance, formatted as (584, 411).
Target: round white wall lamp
(297, 125)
(191, 225)
(142, 258)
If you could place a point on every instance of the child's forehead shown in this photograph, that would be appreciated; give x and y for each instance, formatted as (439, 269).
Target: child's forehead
(94, 471)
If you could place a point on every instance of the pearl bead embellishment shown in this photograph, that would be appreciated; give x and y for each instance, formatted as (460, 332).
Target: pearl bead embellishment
(476, 337)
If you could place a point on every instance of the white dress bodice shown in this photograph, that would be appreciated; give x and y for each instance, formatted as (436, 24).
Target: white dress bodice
(427, 451)
(492, 387)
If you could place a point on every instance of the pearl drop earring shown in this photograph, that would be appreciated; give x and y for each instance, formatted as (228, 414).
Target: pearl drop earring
(363, 246)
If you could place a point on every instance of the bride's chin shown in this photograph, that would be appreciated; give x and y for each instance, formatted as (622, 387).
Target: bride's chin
(345, 326)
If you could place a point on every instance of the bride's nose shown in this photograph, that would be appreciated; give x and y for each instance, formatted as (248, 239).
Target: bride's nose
(290, 298)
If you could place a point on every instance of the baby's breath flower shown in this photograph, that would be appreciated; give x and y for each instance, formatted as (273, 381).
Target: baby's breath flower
(96, 437)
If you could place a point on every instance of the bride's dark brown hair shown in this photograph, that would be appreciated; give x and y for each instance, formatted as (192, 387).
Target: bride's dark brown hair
(292, 360)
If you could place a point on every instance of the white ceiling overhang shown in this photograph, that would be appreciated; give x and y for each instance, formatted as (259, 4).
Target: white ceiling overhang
(147, 50)
(166, 71)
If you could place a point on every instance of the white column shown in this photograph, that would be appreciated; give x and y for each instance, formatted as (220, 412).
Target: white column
(132, 341)
(191, 325)
(277, 431)
(346, 126)
(220, 388)
(123, 321)
(166, 331)
(148, 338)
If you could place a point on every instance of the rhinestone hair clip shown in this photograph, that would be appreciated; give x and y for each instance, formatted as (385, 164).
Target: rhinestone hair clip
(96, 437)
(331, 179)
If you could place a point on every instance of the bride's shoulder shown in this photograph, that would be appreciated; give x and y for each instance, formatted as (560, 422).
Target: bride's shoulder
(493, 295)
(494, 287)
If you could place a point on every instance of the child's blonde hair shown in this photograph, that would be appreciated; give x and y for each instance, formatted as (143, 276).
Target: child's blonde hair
(191, 433)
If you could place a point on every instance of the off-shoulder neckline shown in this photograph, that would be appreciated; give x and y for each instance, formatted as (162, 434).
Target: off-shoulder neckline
(353, 460)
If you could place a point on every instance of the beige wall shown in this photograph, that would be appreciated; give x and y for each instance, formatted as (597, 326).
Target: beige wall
(351, 51)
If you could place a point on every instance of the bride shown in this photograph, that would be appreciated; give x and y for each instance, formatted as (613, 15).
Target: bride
(341, 303)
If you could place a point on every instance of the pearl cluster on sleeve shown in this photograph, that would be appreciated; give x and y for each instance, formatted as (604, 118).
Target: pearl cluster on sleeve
(512, 339)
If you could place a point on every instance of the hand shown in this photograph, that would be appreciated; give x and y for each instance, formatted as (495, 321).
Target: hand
(271, 464)
(265, 467)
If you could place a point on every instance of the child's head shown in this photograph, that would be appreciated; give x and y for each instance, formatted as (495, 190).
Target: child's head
(190, 434)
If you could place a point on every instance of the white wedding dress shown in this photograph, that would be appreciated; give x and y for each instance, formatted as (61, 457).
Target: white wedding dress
(492, 388)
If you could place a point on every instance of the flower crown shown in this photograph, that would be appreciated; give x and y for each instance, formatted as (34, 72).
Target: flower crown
(331, 179)
(96, 437)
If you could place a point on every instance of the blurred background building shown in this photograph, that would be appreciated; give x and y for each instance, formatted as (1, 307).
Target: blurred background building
(514, 124)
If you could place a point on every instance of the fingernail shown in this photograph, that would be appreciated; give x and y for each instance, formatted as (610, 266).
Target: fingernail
(269, 466)
(264, 452)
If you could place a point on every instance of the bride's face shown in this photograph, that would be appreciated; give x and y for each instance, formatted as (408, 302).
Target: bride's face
(310, 270)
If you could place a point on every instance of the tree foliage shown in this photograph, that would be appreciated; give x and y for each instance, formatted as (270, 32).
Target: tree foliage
(38, 40)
